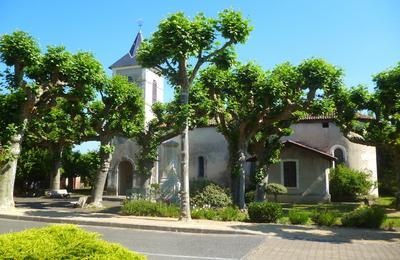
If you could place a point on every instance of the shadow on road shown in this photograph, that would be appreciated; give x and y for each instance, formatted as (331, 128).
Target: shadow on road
(53, 207)
(331, 235)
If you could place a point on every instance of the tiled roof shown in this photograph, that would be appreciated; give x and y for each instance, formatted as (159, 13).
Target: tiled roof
(129, 59)
(253, 158)
(332, 116)
(312, 149)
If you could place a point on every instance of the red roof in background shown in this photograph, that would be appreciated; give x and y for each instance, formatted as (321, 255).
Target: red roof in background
(332, 116)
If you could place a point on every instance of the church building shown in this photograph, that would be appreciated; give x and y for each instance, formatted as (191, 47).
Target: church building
(315, 146)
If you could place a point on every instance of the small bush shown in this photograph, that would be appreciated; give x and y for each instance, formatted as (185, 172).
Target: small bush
(197, 186)
(368, 217)
(212, 196)
(232, 214)
(201, 213)
(323, 218)
(250, 196)
(221, 214)
(297, 217)
(60, 242)
(264, 212)
(275, 189)
(346, 184)
(148, 208)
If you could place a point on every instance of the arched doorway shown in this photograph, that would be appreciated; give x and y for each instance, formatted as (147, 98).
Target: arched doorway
(125, 177)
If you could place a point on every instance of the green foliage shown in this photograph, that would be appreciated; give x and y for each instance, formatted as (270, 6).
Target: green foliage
(264, 212)
(211, 196)
(297, 217)
(119, 112)
(148, 208)
(34, 165)
(323, 217)
(346, 184)
(221, 214)
(179, 38)
(19, 48)
(275, 188)
(250, 196)
(197, 186)
(367, 217)
(61, 242)
(84, 165)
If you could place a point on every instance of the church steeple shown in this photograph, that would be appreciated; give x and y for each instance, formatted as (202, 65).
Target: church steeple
(136, 44)
(129, 59)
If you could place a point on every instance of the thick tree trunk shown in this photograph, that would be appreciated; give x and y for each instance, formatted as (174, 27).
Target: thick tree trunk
(242, 176)
(185, 200)
(105, 162)
(7, 174)
(55, 174)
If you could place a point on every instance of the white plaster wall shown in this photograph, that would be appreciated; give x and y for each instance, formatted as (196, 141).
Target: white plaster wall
(312, 183)
(124, 150)
(359, 157)
(210, 144)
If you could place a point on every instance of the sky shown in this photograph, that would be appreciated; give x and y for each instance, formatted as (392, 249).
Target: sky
(360, 36)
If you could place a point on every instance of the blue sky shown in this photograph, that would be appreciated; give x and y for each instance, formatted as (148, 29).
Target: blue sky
(360, 36)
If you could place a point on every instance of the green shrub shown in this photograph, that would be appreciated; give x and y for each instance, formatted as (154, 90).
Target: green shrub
(212, 196)
(297, 217)
(250, 196)
(60, 242)
(323, 218)
(275, 189)
(197, 186)
(201, 213)
(264, 211)
(148, 208)
(346, 184)
(368, 217)
(232, 214)
(221, 214)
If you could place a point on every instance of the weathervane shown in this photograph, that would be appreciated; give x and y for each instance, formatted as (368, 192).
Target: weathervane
(140, 23)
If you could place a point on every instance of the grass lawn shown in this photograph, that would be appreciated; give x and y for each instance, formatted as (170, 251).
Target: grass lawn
(393, 218)
(340, 208)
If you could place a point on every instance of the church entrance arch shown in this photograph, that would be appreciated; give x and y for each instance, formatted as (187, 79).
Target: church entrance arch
(125, 177)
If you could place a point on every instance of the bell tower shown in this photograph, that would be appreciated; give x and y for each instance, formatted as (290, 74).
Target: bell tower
(148, 79)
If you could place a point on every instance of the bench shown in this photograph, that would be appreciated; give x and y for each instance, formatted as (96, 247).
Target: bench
(63, 193)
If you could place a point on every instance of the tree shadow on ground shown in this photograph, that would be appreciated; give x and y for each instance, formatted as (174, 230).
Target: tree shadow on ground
(52, 207)
(318, 234)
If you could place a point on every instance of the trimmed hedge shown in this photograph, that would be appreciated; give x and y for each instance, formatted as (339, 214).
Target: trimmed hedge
(265, 212)
(61, 242)
(367, 217)
(148, 208)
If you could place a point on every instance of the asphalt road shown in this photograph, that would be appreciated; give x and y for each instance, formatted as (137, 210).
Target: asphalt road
(164, 245)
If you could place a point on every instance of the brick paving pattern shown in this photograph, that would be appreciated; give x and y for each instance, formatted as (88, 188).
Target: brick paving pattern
(276, 248)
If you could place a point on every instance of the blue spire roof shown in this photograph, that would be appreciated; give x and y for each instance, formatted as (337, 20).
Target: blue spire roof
(129, 59)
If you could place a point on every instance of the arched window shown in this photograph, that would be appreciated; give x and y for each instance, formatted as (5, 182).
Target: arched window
(200, 173)
(340, 153)
(154, 94)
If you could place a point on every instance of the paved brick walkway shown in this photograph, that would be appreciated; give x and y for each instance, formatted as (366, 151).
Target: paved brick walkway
(276, 248)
